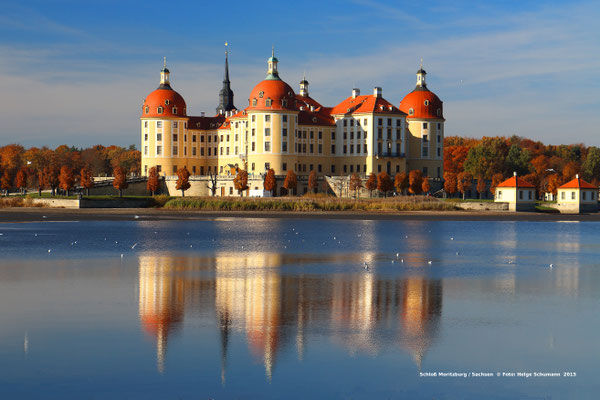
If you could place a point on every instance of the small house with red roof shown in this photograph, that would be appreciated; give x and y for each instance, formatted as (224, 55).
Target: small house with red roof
(577, 196)
(518, 193)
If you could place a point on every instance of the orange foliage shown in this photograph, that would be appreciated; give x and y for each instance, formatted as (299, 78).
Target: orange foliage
(153, 184)
(384, 182)
(450, 182)
(270, 181)
(415, 181)
(66, 178)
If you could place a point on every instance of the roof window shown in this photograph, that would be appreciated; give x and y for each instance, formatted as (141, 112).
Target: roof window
(167, 102)
(159, 110)
(426, 102)
(411, 111)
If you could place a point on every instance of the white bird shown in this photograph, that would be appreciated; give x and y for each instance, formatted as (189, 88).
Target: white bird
(406, 237)
(44, 216)
(121, 255)
(551, 265)
(334, 238)
(190, 245)
(49, 250)
(393, 261)
(458, 253)
(136, 217)
(402, 260)
(451, 238)
(242, 247)
(116, 242)
(133, 247)
(429, 262)
(35, 234)
(366, 266)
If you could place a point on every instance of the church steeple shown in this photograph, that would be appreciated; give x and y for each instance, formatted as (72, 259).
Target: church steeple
(226, 94)
(164, 76)
(421, 84)
(272, 73)
(304, 86)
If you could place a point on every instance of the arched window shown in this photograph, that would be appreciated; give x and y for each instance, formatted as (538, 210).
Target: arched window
(439, 112)
(147, 109)
(268, 103)
(160, 110)
(426, 102)
(254, 102)
(174, 110)
(167, 102)
(411, 111)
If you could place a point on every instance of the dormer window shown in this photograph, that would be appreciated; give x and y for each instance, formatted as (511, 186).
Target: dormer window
(253, 102)
(426, 102)
(268, 103)
(147, 109)
(174, 110)
(411, 111)
(283, 103)
(261, 94)
(167, 102)
(439, 112)
(159, 110)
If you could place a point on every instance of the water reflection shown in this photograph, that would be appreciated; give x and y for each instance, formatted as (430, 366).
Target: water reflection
(261, 296)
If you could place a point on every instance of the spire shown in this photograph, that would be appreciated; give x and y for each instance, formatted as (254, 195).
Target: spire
(226, 94)
(272, 73)
(421, 84)
(304, 86)
(164, 76)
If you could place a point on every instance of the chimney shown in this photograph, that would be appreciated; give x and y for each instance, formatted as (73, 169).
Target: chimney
(312, 108)
(355, 93)
(202, 113)
(377, 91)
(576, 176)
(515, 173)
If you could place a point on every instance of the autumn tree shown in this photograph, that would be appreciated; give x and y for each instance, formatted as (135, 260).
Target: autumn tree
(450, 183)
(6, 181)
(183, 180)
(464, 182)
(454, 158)
(312, 181)
(240, 182)
(570, 170)
(371, 184)
(66, 178)
(487, 157)
(153, 183)
(11, 158)
(120, 181)
(540, 164)
(21, 179)
(291, 181)
(481, 186)
(52, 172)
(86, 179)
(415, 181)
(554, 182)
(42, 180)
(384, 183)
(355, 184)
(270, 181)
(426, 187)
(496, 180)
(401, 182)
(212, 185)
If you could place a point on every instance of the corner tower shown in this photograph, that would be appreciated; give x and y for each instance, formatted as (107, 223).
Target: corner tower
(226, 94)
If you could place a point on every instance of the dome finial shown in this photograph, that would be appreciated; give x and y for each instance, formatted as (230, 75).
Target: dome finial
(273, 50)
(421, 62)
(165, 62)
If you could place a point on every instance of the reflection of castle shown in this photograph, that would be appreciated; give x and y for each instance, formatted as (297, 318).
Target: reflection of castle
(250, 295)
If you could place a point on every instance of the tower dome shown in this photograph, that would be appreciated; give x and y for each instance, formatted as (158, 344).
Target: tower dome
(422, 103)
(164, 101)
(272, 93)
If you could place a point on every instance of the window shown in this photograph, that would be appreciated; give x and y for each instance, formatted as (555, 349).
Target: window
(159, 169)
(145, 124)
(284, 147)
(267, 166)
(425, 139)
(439, 112)
(160, 110)
(253, 118)
(267, 146)
(221, 150)
(379, 168)
(209, 150)
(236, 150)
(253, 146)
(320, 135)
(389, 133)
(425, 172)
(284, 118)
(345, 122)
(159, 124)
(333, 169)
(592, 196)
(147, 109)
(425, 152)
(389, 121)
(194, 170)
(499, 194)
(344, 149)
(345, 135)
(379, 121)
(268, 103)
(227, 151)
(320, 149)
(209, 138)
(312, 148)
(358, 149)
(520, 195)
(529, 191)
(145, 137)
(365, 122)
(185, 151)
(426, 102)
(174, 169)
(267, 131)
(253, 166)
(174, 137)
(411, 111)
(284, 132)
(194, 150)
(253, 132)
(351, 149)
(174, 110)
(145, 150)
(562, 195)
(332, 135)
(439, 174)
(398, 122)
(319, 168)
(572, 195)
(357, 167)
(159, 137)
(439, 126)
(345, 168)
(439, 151)
(202, 151)
(312, 134)
(333, 149)
(267, 118)
(158, 150)
(425, 125)
(253, 105)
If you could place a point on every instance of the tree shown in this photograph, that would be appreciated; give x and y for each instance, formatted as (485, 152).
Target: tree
(540, 164)
(481, 186)
(450, 183)
(86, 179)
(426, 187)
(415, 181)
(42, 180)
(240, 182)
(355, 184)
(21, 179)
(371, 184)
(312, 181)
(517, 160)
(496, 180)
(464, 182)
(66, 178)
(570, 170)
(120, 181)
(52, 173)
(6, 181)
(401, 182)
(384, 183)
(183, 180)
(270, 182)
(291, 181)
(554, 182)
(153, 183)
(11, 158)
(591, 166)
(454, 158)
(213, 183)
(486, 158)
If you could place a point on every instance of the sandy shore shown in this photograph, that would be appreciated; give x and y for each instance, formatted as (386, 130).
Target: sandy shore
(122, 214)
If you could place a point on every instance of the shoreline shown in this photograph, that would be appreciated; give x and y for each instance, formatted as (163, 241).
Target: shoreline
(33, 214)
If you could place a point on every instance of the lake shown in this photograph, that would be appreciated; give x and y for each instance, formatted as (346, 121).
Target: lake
(299, 308)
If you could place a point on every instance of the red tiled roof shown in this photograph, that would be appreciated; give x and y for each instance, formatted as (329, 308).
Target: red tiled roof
(416, 100)
(159, 98)
(307, 101)
(206, 123)
(515, 181)
(277, 91)
(365, 104)
(321, 116)
(578, 183)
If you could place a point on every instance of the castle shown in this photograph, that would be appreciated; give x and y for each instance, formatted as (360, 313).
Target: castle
(283, 130)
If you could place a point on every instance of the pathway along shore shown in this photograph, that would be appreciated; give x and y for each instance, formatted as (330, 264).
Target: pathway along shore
(25, 214)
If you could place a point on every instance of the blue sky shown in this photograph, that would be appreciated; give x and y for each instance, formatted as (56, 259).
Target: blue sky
(76, 72)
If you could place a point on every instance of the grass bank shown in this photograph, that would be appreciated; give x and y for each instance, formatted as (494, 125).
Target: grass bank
(18, 201)
(403, 203)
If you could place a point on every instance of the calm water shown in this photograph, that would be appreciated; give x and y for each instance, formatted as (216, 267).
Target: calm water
(276, 308)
